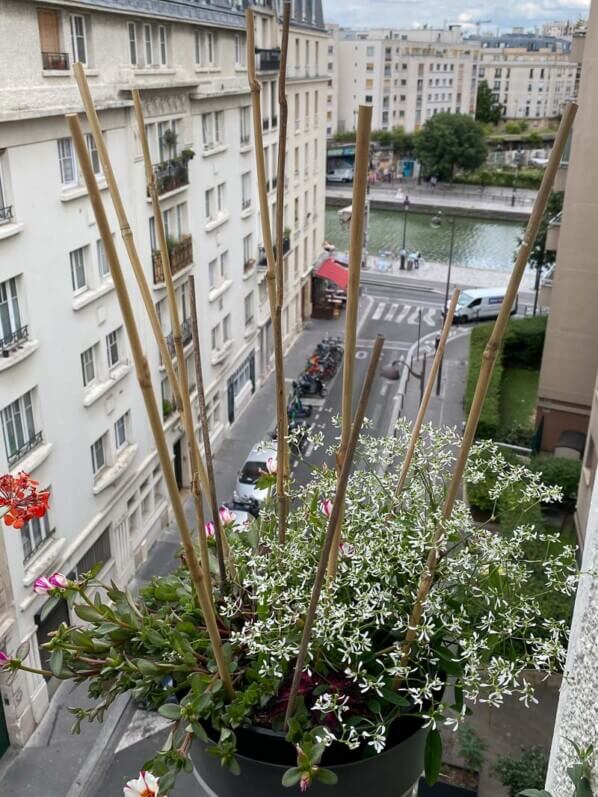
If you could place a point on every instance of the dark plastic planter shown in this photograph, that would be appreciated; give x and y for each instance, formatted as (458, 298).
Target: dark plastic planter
(264, 756)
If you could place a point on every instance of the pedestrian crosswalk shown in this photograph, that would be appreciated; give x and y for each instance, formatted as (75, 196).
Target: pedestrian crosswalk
(398, 313)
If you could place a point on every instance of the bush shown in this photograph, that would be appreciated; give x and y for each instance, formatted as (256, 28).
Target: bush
(472, 748)
(560, 472)
(490, 417)
(502, 178)
(527, 772)
(524, 342)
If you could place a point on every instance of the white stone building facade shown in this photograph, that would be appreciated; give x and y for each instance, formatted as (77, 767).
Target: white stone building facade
(71, 412)
(407, 76)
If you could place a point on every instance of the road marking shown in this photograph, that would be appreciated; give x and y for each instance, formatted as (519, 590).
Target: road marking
(429, 317)
(414, 317)
(308, 451)
(391, 312)
(367, 343)
(313, 401)
(361, 355)
(142, 725)
(384, 389)
(404, 312)
(377, 314)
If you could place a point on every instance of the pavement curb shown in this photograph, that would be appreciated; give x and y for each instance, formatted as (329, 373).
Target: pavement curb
(82, 785)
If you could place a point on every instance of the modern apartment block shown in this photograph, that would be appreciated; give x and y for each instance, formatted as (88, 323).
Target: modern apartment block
(530, 82)
(332, 87)
(70, 408)
(570, 358)
(407, 76)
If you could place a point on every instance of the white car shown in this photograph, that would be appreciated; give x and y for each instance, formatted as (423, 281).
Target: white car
(340, 176)
(254, 466)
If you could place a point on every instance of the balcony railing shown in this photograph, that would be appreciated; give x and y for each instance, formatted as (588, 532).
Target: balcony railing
(5, 214)
(274, 122)
(245, 204)
(248, 265)
(181, 256)
(172, 174)
(23, 450)
(245, 139)
(186, 336)
(13, 341)
(269, 60)
(55, 61)
(40, 545)
(261, 259)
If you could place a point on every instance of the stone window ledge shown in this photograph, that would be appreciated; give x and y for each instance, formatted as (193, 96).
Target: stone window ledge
(218, 222)
(19, 354)
(10, 229)
(109, 475)
(216, 293)
(92, 294)
(99, 389)
(33, 460)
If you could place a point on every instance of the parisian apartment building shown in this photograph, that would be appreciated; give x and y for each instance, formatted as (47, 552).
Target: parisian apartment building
(407, 76)
(531, 76)
(70, 407)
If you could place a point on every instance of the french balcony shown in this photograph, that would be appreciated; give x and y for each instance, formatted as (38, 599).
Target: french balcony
(44, 542)
(55, 61)
(13, 341)
(286, 246)
(245, 204)
(172, 174)
(181, 256)
(34, 441)
(274, 122)
(6, 214)
(268, 60)
(265, 124)
(186, 336)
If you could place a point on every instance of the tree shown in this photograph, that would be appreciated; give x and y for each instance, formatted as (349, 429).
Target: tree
(488, 109)
(450, 141)
(400, 141)
(538, 256)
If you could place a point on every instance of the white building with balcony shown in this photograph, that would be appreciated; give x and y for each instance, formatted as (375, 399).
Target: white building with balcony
(71, 411)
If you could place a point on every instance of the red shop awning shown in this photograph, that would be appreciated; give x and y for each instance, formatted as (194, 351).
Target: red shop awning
(333, 271)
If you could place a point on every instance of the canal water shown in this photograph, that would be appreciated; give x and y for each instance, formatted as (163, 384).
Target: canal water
(479, 243)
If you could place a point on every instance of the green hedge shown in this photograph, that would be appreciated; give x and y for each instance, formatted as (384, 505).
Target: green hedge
(560, 472)
(490, 417)
(524, 342)
(525, 178)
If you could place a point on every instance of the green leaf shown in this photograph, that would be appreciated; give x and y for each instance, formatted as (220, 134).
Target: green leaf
(107, 628)
(432, 756)
(320, 689)
(458, 705)
(291, 777)
(374, 706)
(170, 710)
(233, 766)
(447, 661)
(146, 667)
(56, 660)
(200, 732)
(326, 776)
(393, 697)
(316, 753)
(88, 614)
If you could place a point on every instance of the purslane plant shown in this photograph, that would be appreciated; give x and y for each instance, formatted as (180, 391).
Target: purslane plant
(482, 625)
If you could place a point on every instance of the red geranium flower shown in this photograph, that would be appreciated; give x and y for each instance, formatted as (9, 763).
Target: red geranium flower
(23, 499)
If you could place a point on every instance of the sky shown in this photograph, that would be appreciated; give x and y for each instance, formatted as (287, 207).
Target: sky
(414, 13)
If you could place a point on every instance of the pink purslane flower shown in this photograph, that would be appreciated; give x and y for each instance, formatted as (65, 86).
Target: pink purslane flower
(346, 549)
(45, 584)
(305, 781)
(227, 518)
(326, 506)
(210, 530)
(146, 785)
(4, 659)
(271, 465)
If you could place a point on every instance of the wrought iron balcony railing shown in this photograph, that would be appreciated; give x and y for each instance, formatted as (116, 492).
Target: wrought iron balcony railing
(5, 214)
(34, 441)
(172, 174)
(55, 61)
(269, 60)
(186, 336)
(181, 256)
(13, 340)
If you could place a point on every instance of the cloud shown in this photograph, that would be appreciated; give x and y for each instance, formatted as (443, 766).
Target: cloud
(407, 13)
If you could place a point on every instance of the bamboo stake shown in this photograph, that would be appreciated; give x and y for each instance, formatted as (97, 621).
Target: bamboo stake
(203, 417)
(151, 405)
(273, 290)
(333, 522)
(127, 236)
(490, 353)
(186, 412)
(448, 322)
(282, 421)
(362, 162)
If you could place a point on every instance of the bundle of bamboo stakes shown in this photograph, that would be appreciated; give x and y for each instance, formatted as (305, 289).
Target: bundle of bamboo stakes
(202, 471)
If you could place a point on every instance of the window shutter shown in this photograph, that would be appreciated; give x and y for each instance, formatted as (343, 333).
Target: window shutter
(48, 30)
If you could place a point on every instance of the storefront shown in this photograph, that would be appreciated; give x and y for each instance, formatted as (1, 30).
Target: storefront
(329, 288)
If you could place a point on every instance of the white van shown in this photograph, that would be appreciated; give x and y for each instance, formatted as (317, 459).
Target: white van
(481, 304)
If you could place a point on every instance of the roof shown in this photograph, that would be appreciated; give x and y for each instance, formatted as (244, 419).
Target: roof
(332, 270)
(482, 293)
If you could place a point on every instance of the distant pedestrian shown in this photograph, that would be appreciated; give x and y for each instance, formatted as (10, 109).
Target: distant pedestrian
(403, 258)
(407, 201)
(433, 181)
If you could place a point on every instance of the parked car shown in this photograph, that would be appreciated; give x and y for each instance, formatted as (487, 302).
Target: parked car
(481, 304)
(340, 176)
(254, 466)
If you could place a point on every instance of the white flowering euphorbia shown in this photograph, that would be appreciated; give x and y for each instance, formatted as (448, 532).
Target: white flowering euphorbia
(484, 625)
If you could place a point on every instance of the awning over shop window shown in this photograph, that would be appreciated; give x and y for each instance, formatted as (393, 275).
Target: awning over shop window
(333, 271)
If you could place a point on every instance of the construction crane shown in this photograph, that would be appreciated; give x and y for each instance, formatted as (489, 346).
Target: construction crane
(479, 22)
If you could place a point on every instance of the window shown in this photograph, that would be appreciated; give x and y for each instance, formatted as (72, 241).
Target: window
(369, 67)
(66, 159)
(162, 42)
(132, 29)
(226, 329)
(369, 52)
(147, 42)
(213, 410)
(219, 127)
(10, 317)
(120, 431)
(213, 275)
(88, 367)
(209, 200)
(368, 98)
(245, 125)
(249, 309)
(240, 51)
(247, 248)
(33, 534)
(99, 552)
(112, 347)
(103, 265)
(216, 337)
(211, 48)
(221, 189)
(18, 427)
(93, 154)
(98, 456)
(78, 275)
(224, 266)
(168, 138)
(78, 39)
(207, 130)
(245, 190)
